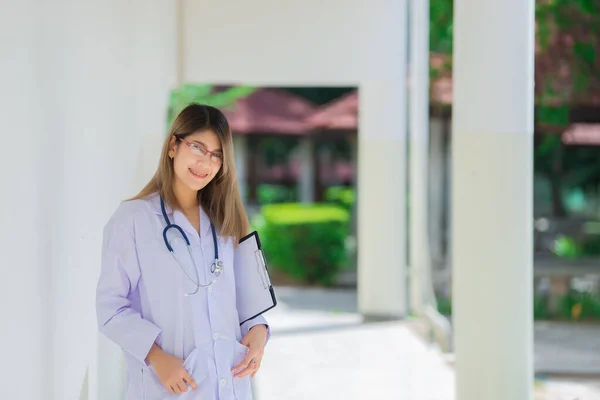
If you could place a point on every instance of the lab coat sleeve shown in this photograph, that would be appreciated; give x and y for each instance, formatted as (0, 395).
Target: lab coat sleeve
(260, 320)
(119, 277)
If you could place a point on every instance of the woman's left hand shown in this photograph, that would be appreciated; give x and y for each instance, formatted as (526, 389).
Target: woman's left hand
(255, 339)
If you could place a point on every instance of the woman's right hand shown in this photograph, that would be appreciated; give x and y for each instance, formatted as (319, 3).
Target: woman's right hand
(170, 371)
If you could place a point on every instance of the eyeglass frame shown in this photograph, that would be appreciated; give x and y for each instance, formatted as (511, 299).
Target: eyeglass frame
(207, 151)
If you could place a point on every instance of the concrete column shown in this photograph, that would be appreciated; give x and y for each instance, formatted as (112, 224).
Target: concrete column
(306, 157)
(153, 74)
(437, 198)
(24, 250)
(353, 139)
(84, 85)
(420, 263)
(240, 148)
(382, 197)
(492, 198)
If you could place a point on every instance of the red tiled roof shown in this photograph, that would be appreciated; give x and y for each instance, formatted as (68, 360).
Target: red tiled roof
(269, 110)
(339, 114)
(342, 113)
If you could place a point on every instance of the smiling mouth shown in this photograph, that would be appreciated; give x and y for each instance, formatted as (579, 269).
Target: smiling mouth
(197, 175)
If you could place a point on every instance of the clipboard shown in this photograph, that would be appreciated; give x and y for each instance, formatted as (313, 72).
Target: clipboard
(254, 291)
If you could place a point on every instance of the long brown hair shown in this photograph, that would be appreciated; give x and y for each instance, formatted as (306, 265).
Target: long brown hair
(221, 197)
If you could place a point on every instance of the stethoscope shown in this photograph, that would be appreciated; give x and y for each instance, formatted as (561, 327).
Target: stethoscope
(216, 267)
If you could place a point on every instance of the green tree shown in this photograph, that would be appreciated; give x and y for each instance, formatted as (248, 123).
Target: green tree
(566, 65)
(566, 76)
(204, 94)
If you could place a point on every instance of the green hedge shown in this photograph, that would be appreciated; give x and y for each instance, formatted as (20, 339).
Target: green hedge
(342, 195)
(307, 242)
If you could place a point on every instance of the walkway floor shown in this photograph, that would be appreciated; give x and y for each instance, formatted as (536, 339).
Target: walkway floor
(321, 349)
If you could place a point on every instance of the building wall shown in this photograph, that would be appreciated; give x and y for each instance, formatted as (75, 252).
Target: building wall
(311, 42)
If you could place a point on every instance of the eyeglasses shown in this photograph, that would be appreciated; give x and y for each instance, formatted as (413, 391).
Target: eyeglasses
(216, 157)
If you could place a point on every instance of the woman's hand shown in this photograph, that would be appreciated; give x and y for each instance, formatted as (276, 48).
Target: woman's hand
(255, 339)
(170, 371)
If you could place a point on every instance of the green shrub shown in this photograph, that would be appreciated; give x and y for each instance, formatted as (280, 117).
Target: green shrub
(540, 310)
(567, 247)
(577, 305)
(342, 195)
(591, 246)
(444, 306)
(307, 242)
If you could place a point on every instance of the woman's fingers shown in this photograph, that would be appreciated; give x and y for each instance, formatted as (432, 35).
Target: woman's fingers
(256, 370)
(251, 368)
(190, 381)
(243, 364)
(180, 387)
(252, 355)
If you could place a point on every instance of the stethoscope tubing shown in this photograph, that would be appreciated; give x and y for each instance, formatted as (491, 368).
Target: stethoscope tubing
(217, 265)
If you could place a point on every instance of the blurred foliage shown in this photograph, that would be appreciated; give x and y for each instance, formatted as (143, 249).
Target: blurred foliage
(344, 196)
(270, 194)
(566, 76)
(569, 247)
(566, 65)
(591, 246)
(568, 33)
(441, 26)
(574, 306)
(203, 94)
(277, 150)
(339, 148)
(444, 306)
(307, 242)
(566, 167)
(579, 305)
(540, 310)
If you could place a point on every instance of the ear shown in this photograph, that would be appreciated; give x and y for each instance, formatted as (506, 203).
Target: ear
(172, 146)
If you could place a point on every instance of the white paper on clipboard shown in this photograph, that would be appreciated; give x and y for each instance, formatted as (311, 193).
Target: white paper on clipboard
(254, 292)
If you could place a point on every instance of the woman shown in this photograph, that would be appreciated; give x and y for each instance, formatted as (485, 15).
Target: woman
(174, 313)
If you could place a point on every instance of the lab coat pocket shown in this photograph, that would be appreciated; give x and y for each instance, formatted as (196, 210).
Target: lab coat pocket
(152, 387)
(196, 366)
(240, 352)
(241, 386)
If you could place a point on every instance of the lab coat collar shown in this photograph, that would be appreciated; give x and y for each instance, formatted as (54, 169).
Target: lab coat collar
(204, 219)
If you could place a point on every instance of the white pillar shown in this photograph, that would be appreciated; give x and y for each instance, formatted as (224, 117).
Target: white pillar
(240, 148)
(437, 196)
(24, 247)
(306, 185)
(153, 74)
(420, 263)
(93, 79)
(492, 198)
(156, 69)
(381, 197)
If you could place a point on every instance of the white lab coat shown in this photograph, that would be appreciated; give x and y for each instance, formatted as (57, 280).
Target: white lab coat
(140, 300)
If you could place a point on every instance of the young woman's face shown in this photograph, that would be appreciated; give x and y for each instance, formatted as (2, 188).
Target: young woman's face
(197, 158)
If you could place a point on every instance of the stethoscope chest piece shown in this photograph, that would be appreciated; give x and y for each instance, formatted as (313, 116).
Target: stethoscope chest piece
(216, 267)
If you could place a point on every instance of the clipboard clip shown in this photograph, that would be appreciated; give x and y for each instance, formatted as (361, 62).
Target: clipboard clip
(262, 268)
